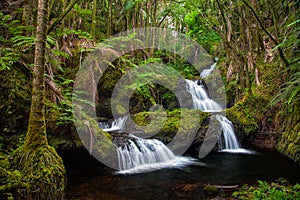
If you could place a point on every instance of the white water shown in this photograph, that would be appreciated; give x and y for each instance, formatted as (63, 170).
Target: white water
(200, 97)
(230, 140)
(117, 125)
(202, 101)
(206, 72)
(238, 150)
(143, 155)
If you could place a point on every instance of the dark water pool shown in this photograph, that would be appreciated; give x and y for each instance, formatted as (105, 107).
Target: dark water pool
(185, 183)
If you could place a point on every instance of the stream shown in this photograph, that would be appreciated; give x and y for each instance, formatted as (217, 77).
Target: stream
(99, 182)
(232, 165)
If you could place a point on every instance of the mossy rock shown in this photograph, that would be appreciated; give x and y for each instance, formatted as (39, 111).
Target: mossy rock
(210, 190)
(174, 121)
(246, 114)
(289, 144)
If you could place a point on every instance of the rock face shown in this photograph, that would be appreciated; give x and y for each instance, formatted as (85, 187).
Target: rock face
(280, 129)
(289, 144)
(244, 116)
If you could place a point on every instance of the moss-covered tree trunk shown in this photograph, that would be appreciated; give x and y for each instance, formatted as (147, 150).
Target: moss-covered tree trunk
(36, 133)
(38, 163)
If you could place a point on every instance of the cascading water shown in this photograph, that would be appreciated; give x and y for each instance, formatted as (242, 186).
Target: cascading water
(137, 152)
(230, 141)
(142, 155)
(206, 72)
(200, 97)
(136, 155)
(116, 125)
(202, 101)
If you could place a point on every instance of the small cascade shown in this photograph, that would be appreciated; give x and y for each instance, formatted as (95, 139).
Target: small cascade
(138, 151)
(206, 72)
(200, 97)
(144, 155)
(116, 125)
(230, 141)
(202, 101)
(137, 155)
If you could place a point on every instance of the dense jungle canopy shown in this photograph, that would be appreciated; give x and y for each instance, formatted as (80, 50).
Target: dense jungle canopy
(43, 44)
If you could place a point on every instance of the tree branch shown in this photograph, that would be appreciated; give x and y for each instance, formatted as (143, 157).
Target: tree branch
(54, 88)
(61, 16)
(164, 17)
(281, 54)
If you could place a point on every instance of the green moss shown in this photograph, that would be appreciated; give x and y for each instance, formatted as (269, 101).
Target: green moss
(289, 143)
(210, 190)
(175, 120)
(10, 180)
(247, 114)
(43, 170)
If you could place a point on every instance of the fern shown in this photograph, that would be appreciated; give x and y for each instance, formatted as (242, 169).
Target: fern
(7, 58)
(23, 41)
(290, 92)
(9, 29)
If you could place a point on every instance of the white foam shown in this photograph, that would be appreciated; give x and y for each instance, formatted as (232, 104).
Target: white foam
(238, 151)
(177, 162)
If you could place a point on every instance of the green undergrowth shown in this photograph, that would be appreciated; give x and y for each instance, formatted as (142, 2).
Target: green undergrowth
(271, 191)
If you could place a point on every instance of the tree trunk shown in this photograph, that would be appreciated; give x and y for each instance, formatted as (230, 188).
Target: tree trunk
(93, 32)
(36, 133)
(42, 169)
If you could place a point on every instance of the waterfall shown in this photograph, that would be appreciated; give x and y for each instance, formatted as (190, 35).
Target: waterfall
(137, 155)
(206, 72)
(230, 140)
(200, 97)
(202, 101)
(116, 125)
(139, 151)
(142, 155)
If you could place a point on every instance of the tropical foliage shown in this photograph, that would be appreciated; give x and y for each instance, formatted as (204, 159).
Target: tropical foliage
(257, 43)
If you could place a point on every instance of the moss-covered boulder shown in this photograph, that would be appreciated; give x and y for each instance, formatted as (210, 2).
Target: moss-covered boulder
(245, 115)
(175, 120)
(210, 190)
(249, 116)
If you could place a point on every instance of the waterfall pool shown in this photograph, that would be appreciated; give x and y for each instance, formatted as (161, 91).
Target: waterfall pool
(221, 168)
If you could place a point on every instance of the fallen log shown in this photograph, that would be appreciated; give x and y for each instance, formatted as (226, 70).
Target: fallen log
(226, 186)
